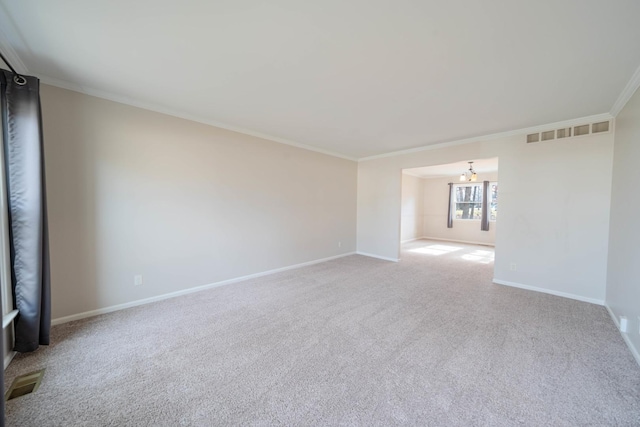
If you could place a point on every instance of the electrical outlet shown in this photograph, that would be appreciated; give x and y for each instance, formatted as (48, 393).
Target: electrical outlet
(623, 324)
(513, 266)
(339, 244)
(137, 280)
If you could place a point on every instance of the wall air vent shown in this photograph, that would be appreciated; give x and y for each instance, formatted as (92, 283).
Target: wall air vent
(550, 134)
(534, 137)
(600, 127)
(580, 130)
(564, 133)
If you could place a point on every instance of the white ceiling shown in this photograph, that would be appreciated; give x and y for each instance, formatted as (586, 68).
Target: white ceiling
(455, 169)
(354, 77)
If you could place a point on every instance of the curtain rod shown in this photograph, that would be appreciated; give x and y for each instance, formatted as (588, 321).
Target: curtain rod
(17, 78)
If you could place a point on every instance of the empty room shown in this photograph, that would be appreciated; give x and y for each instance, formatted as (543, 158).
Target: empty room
(319, 213)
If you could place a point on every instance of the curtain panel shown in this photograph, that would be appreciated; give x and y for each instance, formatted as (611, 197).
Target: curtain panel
(26, 200)
(484, 222)
(450, 211)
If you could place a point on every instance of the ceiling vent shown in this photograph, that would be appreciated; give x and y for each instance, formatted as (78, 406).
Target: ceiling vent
(580, 130)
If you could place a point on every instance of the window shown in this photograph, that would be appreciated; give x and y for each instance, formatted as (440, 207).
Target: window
(468, 201)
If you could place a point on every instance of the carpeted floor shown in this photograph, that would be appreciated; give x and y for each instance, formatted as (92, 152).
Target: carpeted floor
(354, 341)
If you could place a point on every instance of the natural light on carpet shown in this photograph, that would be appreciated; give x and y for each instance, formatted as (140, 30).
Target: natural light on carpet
(435, 249)
(483, 257)
(478, 255)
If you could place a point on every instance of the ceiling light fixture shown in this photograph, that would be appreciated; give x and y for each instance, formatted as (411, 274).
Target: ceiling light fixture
(469, 176)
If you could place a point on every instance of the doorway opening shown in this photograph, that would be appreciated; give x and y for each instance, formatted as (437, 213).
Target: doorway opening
(450, 211)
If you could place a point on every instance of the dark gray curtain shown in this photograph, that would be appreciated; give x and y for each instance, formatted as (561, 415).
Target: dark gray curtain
(2, 373)
(450, 212)
(29, 241)
(484, 222)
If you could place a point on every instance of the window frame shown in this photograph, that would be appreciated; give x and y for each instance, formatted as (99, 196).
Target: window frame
(473, 184)
(491, 199)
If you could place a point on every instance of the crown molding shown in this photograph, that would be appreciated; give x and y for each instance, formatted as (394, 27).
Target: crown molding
(523, 131)
(7, 50)
(632, 85)
(16, 62)
(19, 65)
(176, 113)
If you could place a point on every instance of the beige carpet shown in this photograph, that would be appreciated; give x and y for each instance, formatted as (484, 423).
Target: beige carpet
(355, 341)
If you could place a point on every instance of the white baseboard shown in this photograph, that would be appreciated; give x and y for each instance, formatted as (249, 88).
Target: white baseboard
(378, 256)
(625, 337)
(410, 240)
(8, 358)
(549, 291)
(469, 242)
(136, 303)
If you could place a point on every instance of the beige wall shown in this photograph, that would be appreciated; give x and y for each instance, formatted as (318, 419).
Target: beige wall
(436, 200)
(554, 209)
(623, 289)
(184, 204)
(412, 206)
